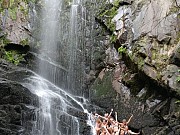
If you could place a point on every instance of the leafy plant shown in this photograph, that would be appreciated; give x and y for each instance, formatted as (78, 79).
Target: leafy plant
(121, 49)
(13, 57)
(113, 38)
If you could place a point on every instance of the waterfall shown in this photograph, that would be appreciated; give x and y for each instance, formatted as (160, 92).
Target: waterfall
(60, 78)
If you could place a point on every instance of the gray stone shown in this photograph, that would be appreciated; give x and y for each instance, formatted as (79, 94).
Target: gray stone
(175, 57)
(155, 19)
(16, 27)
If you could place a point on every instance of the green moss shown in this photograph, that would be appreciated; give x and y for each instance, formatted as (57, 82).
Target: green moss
(139, 61)
(4, 40)
(13, 57)
(131, 56)
(177, 37)
(154, 53)
(103, 87)
(116, 3)
(173, 10)
(111, 25)
(178, 79)
(13, 13)
(122, 49)
(113, 38)
(108, 14)
(24, 41)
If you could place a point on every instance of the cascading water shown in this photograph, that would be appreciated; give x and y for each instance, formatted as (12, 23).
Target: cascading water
(59, 80)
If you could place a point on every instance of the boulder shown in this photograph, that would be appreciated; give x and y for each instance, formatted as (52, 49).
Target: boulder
(15, 99)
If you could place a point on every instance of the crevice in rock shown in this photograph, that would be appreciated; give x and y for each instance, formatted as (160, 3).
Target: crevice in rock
(17, 47)
(163, 89)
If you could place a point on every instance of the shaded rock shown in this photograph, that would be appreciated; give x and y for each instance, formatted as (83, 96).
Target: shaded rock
(19, 48)
(150, 72)
(149, 105)
(112, 56)
(175, 57)
(169, 77)
(14, 99)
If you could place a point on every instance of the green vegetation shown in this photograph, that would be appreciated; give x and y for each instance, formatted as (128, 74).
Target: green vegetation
(13, 13)
(113, 38)
(122, 49)
(4, 41)
(24, 41)
(140, 62)
(116, 3)
(174, 9)
(13, 57)
(177, 38)
(13, 6)
(178, 79)
(107, 13)
(103, 87)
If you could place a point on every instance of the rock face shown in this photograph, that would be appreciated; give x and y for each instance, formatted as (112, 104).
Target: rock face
(143, 79)
(145, 82)
(14, 20)
(17, 103)
(132, 93)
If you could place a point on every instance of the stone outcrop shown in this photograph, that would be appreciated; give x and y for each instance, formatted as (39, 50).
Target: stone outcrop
(15, 22)
(15, 29)
(17, 103)
(145, 82)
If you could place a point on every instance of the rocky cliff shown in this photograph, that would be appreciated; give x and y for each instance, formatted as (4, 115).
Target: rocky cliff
(133, 66)
(17, 103)
(141, 76)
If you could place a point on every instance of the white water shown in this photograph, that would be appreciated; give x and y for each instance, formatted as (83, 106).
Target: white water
(54, 104)
(60, 77)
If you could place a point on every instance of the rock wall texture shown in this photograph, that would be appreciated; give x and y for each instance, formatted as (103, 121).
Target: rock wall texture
(143, 78)
(17, 103)
(141, 73)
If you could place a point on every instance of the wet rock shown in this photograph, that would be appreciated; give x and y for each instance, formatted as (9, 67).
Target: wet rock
(14, 115)
(152, 110)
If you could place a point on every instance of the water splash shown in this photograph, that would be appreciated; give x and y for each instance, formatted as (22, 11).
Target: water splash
(54, 104)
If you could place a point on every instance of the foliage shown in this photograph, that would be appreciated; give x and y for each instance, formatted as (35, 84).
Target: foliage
(13, 13)
(4, 41)
(121, 49)
(13, 6)
(13, 57)
(108, 13)
(113, 38)
(140, 62)
(116, 3)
